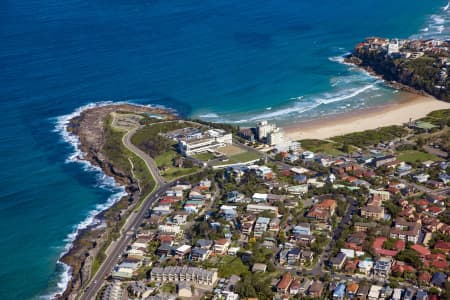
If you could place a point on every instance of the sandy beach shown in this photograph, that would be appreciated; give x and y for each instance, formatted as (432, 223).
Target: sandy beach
(398, 112)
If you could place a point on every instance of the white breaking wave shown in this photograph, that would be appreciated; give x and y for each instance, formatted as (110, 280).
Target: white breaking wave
(445, 8)
(303, 106)
(103, 181)
(347, 94)
(209, 116)
(339, 58)
(438, 20)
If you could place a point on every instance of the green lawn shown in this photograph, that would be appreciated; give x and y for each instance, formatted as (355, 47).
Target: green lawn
(173, 173)
(166, 158)
(321, 146)
(231, 265)
(412, 156)
(204, 156)
(244, 157)
(238, 158)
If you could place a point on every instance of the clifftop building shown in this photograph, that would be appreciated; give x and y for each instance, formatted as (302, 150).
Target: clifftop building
(203, 142)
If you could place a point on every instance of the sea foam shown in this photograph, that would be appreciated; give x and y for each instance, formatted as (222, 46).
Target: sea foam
(102, 181)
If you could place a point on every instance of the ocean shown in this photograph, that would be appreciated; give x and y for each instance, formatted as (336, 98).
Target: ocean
(229, 61)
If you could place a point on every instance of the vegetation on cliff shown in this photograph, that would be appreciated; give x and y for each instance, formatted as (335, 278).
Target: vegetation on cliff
(417, 64)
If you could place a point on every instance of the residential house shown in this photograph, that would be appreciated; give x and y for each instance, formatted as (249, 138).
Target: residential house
(363, 227)
(261, 226)
(199, 254)
(302, 229)
(352, 290)
(422, 295)
(363, 292)
(337, 262)
(382, 267)
(365, 266)
(183, 251)
(339, 292)
(315, 289)
(264, 172)
(408, 231)
(398, 293)
(274, 225)
(258, 267)
(374, 292)
(184, 274)
(384, 160)
(221, 246)
(258, 208)
(295, 287)
(284, 283)
(293, 256)
(374, 212)
(421, 178)
(306, 256)
(204, 244)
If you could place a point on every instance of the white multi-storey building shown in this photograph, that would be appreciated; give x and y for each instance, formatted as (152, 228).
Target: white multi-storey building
(264, 128)
(276, 137)
(208, 141)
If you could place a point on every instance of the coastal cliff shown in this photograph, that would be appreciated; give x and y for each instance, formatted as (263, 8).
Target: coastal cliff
(412, 65)
(100, 149)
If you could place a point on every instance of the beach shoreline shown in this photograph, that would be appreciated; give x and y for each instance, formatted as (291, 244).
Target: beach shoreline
(404, 107)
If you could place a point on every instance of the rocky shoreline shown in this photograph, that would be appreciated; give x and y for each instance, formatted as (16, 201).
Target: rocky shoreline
(89, 128)
(358, 62)
(415, 66)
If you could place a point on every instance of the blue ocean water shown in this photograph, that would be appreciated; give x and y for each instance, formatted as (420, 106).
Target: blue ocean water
(235, 61)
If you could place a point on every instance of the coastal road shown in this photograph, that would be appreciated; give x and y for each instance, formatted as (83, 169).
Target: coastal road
(134, 220)
(119, 247)
(151, 165)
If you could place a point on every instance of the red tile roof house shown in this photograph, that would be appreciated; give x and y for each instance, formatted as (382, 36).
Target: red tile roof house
(435, 210)
(328, 204)
(440, 264)
(398, 268)
(378, 247)
(421, 250)
(295, 286)
(284, 283)
(438, 256)
(424, 277)
(443, 246)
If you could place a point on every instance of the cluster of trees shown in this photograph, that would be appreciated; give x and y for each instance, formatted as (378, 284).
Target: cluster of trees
(411, 257)
(371, 137)
(255, 285)
(148, 139)
(226, 127)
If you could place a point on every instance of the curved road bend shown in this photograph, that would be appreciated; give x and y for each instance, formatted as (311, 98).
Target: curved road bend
(133, 221)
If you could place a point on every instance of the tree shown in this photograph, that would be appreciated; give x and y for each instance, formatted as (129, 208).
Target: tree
(411, 257)
(245, 287)
(345, 148)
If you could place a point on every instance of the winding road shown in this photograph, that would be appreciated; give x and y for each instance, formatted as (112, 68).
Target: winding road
(118, 247)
